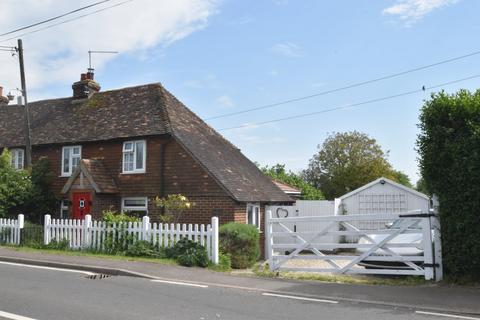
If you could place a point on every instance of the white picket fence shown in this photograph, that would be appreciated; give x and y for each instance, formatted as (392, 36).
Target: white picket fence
(10, 230)
(95, 234)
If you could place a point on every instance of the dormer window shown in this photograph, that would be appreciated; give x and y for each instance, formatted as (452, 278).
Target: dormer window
(134, 156)
(70, 159)
(18, 157)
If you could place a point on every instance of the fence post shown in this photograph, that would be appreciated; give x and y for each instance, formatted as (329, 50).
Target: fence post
(437, 246)
(20, 225)
(214, 240)
(145, 227)
(427, 248)
(268, 238)
(46, 229)
(87, 224)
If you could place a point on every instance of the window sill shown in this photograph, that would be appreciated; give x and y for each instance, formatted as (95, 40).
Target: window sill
(134, 172)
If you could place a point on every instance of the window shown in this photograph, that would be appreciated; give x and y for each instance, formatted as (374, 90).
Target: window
(137, 205)
(253, 214)
(70, 159)
(18, 156)
(134, 156)
(64, 209)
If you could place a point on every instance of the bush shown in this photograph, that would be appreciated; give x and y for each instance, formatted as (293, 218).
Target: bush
(449, 147)
(57, 245)
(188, 253)
(240, 241)
(224, 263)
(144, 248)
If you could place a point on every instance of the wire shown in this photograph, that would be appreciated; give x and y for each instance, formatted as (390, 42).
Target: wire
(68, 20)
(352, 105)
(354, 85)
(54, 18)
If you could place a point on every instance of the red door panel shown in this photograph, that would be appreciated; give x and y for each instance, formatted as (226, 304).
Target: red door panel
(81, 204)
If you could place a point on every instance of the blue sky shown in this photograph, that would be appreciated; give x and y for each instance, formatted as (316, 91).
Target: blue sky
(228, 55)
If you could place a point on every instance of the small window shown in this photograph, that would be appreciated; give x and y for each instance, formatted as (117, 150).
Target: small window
(64, 209)
(134, 156)
(18, 156)
(136, 205)
(253, 214)
(70, 159)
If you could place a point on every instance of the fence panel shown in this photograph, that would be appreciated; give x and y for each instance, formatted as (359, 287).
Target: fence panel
(10, 230)
(100, 236)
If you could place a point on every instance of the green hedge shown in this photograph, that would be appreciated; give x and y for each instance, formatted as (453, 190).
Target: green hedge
(449, 147)
(241, 242)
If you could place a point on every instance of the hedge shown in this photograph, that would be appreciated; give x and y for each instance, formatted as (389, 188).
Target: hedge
(241, 242)
(449, 148)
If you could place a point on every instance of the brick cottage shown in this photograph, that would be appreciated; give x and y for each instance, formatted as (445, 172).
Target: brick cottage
(120, 149)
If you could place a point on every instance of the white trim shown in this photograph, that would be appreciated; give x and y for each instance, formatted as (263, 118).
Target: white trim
(134, 151)
(401, 186)
(16, 152)
(64, 207)
(127, 208)
(256, 216)
(70, 162)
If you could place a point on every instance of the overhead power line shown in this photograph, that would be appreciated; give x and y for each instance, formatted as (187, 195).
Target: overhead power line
(354, 85)
(303, 115)
(54, 18)
(68, 20)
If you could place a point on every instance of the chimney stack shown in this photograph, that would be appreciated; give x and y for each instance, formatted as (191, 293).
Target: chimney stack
(3, 100)
(86, 87)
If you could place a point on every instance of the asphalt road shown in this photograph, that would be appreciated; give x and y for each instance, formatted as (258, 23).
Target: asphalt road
(44, 294)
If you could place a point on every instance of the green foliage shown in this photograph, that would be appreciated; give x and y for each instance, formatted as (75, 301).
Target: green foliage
(119, 241)
(345, 162)
(422, 187)
(57, 245)
(278, 173)
(224, 263)
(175, 205)
(15, 185)
(111, 217)
(41, 200)
(188, 253)
(402, 178)
(449, 148)
(145, 249)
(241, 242)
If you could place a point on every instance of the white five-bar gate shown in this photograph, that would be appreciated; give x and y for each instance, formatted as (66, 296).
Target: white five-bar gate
(411, 246)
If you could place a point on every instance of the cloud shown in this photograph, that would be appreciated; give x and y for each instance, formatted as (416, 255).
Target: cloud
(225, 101)
(288, 49)
(58, 55)
(411, 11)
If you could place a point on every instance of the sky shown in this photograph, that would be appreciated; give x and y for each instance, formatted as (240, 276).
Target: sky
(225, 56)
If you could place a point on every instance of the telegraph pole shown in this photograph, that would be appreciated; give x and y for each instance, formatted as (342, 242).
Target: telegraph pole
(28, 143)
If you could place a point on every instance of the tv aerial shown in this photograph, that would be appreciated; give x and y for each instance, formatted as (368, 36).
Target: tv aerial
(90, 52)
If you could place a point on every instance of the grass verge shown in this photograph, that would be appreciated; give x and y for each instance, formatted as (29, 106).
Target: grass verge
(79, 253)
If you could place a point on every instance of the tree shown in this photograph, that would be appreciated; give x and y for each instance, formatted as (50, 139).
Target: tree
(41, 200)
(346, 161)
(402, 178)
(279, 173)
(449, 149)
(15, 185)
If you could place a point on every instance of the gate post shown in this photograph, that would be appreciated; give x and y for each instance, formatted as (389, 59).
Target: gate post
(20, 225)
(145, 227)
(87, 224)
(429, 264)
(46, 229)
(268, 239)
(215, 240)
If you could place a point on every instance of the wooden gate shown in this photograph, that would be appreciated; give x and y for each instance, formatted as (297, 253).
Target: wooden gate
(409, 244)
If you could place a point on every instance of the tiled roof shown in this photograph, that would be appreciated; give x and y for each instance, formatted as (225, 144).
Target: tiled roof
(134, 112)
(97, 175)
(288, 189)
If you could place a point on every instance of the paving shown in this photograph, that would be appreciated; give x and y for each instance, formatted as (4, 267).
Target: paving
(429, 297)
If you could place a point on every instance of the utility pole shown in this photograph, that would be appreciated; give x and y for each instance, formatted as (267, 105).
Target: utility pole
(28, 142)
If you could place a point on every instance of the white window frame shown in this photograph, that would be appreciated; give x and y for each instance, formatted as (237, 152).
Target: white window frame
(64, 206)
(70, 160)
(256, 215)
(133, 151)
(127, 208)
(18, 154)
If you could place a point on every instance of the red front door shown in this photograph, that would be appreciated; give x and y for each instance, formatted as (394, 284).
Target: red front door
(81, 204)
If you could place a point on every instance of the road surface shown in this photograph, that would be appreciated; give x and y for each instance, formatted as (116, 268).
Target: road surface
(48, 294)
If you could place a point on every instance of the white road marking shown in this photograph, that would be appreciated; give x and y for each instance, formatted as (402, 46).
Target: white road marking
(297, 298)
(47, 268)
(12, 316)
(446, 315)
(182, 283)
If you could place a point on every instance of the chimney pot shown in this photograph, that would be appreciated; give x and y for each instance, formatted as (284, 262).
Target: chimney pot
(83, 77)
(3, 100)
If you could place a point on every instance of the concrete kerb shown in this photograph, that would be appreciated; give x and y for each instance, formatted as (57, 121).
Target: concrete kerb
(94, 269)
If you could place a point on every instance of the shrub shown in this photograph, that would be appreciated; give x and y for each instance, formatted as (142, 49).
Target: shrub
(144, 248)
(224, 263)
(188, 253)
(449, 148)
(58, 245)
(118, 242)
(240, 241)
